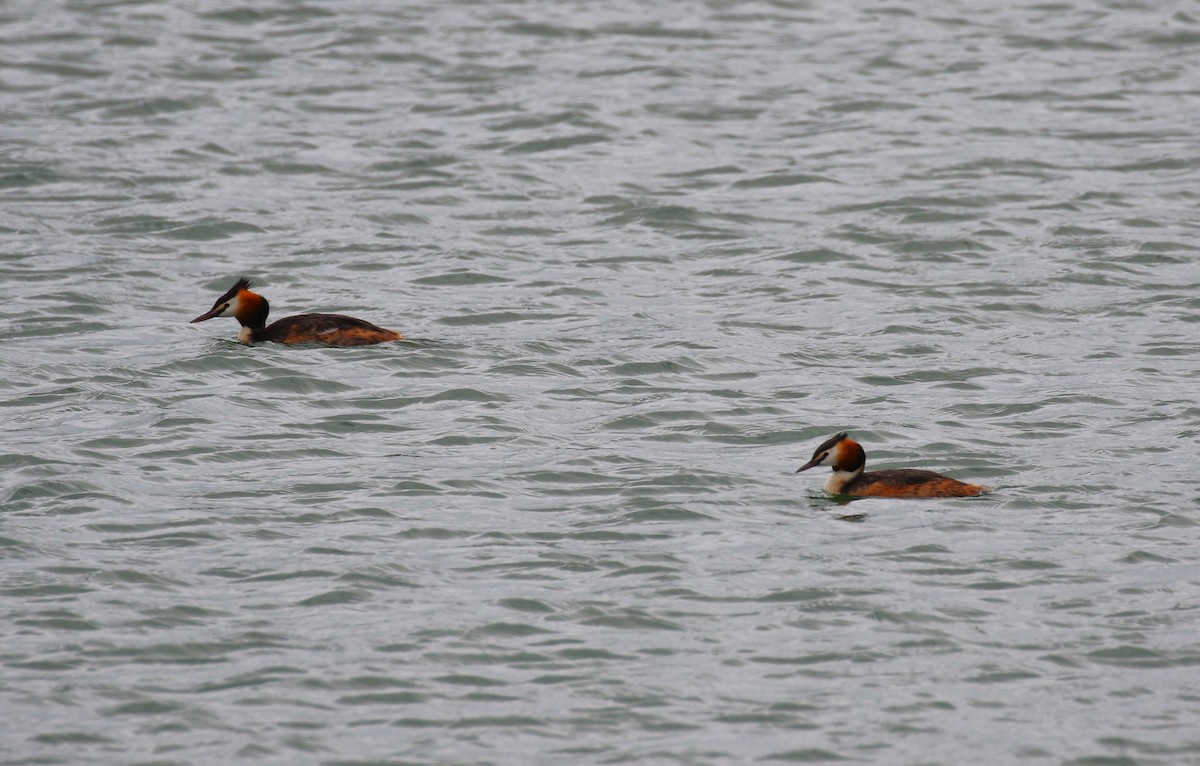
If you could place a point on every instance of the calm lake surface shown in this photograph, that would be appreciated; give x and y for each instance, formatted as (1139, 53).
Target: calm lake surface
(649, 257)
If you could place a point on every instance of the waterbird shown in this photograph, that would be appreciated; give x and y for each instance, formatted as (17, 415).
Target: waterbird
(848, 461)
(251, 309)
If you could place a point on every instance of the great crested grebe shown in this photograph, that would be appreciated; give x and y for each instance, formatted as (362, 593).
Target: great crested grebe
(847, 459)
(251, 310)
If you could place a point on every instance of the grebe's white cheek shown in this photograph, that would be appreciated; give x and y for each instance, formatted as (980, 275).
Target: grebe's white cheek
(231, 308)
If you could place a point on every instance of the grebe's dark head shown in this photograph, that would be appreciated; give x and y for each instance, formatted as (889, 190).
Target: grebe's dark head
(247, 307)
(842, 452)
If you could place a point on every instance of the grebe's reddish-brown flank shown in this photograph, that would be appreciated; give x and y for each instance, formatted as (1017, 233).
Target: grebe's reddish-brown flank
(848, 461)
(251, 309)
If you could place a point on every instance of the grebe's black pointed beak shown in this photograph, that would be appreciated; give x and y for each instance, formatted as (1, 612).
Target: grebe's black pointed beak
(816, 461)
(208, 315)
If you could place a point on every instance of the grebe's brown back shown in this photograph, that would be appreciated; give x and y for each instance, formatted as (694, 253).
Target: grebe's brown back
(251, 309)
(848, 461)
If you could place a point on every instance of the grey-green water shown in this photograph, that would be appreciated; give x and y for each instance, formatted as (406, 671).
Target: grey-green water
(652, 255)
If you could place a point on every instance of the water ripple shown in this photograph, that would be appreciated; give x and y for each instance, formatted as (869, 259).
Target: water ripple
(649, 261)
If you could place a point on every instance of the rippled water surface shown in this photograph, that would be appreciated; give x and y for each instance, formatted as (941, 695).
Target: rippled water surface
(648, 257)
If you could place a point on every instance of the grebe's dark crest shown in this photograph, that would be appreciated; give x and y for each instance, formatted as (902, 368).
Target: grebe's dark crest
(251, 310)
(848, 461)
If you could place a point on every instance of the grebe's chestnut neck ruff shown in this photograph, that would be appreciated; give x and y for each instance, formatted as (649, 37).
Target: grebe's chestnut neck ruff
(848, 461)
(251, 309)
